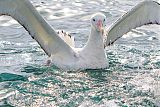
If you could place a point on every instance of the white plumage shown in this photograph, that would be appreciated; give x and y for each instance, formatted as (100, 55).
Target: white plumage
(67, 38)
(60, 46)
(147, 12)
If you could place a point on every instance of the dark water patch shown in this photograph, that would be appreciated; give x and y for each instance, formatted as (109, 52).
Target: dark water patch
(98, 75)
(132, 67)
(11, 77)
(157, 64)
(37, 69)
(113, 61)
(135, 51)
(10, 51)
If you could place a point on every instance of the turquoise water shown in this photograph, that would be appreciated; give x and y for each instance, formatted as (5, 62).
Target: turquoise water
(132, 79)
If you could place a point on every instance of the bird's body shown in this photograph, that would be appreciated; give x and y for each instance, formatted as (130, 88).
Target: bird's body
(60, 46)
(91, 56)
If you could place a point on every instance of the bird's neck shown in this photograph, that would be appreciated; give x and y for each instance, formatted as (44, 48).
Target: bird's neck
(94, 43)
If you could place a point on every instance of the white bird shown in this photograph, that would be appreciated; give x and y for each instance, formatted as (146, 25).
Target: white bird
(62, 53)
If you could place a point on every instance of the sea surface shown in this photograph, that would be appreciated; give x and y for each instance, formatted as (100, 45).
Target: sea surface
(132, 79)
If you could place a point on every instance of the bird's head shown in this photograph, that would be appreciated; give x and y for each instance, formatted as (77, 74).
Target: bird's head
(98, 21)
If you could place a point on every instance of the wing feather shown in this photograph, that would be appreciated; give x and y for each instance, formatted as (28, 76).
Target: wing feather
(147, 12)
(67, 38)
(24, 12)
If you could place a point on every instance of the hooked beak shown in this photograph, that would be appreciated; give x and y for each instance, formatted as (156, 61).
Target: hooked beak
(100, 26)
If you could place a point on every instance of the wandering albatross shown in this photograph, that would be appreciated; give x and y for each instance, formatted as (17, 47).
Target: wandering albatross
(60, 48)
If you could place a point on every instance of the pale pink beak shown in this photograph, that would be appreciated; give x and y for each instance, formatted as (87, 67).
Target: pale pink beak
(100, 26)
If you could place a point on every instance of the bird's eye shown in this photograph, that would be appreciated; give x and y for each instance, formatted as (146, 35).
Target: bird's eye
(104, 20)
(94, 20)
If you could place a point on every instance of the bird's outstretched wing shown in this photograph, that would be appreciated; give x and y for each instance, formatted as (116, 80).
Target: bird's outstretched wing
(147, 12)
(24, 12)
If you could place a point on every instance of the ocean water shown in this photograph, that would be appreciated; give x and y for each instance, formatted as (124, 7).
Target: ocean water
(132, 79)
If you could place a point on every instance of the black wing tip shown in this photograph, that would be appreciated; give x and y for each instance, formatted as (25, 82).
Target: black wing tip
(111, 43)
(64, 33)
(156, 2)
(149, 1)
